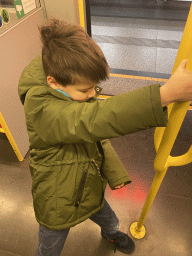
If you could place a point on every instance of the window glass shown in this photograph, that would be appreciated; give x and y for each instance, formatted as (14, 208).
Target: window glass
(11, 11)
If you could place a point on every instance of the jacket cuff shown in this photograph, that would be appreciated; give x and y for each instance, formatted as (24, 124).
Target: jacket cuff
(126, 180)
(157, 106)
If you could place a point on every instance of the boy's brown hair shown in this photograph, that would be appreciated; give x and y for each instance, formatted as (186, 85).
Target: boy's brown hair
(70, 55)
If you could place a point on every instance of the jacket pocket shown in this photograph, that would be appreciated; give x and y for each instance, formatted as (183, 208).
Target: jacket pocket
(81, 188)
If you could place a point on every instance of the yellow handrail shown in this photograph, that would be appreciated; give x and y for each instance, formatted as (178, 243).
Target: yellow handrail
(1, 130)
(6, 130)
(164, 137)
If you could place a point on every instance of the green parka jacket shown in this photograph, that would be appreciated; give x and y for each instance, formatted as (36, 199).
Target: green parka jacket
(71, 158)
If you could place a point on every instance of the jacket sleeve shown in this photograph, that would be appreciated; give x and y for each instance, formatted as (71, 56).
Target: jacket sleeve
(59, 121)
(112, 167)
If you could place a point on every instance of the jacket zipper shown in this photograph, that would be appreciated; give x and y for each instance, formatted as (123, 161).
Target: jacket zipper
(97, 168)
(80, 189)
(82, 184)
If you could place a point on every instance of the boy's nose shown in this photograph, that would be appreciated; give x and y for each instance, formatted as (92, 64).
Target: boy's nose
(91, 93)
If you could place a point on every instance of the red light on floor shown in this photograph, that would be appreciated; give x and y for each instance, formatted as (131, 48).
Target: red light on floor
(120, 193)
(139, 195)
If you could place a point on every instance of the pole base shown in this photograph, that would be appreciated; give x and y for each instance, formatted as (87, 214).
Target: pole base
(137, 234)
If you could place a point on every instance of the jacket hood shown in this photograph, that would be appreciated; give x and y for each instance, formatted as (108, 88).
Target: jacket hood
(34, 75)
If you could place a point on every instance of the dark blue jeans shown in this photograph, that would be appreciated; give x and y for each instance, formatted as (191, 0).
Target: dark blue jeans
(51, 242)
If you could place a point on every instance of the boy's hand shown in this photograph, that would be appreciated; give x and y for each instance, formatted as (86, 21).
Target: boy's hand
(178, 87)
(119, 186)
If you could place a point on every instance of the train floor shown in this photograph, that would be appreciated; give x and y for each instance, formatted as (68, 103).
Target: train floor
(168, 223)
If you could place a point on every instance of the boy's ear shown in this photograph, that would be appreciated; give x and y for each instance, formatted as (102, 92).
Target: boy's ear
(51, 81)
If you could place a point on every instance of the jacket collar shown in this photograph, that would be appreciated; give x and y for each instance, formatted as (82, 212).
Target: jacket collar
(60, 95)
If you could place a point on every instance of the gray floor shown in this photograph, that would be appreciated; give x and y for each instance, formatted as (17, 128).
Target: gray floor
(169, 222)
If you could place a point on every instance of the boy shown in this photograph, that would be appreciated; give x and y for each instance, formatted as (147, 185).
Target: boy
(71, 158)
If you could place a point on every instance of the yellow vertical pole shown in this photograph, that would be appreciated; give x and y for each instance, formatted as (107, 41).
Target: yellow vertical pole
(165, 136)
(81, 13)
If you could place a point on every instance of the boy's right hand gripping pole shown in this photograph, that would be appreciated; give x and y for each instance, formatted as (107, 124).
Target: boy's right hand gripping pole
(165, 137)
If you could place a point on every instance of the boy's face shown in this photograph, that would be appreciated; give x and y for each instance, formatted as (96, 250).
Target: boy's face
(80, 92)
